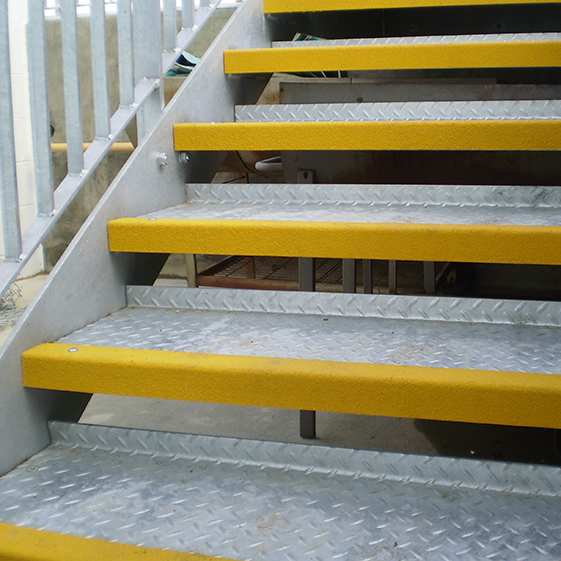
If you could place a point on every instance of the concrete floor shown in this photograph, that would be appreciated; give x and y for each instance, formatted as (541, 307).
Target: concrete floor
(353, 431)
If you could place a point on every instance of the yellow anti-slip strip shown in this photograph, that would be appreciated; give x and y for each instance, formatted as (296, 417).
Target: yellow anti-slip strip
(451, 394)
(404, 242)
(289, 6)
(507, 54)
(371, 135)
(24, 544)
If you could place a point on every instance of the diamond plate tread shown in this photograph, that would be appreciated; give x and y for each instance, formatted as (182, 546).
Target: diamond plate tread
(283, 502)
(239, 330)
(375, 195)
(421, 40)
(531, 206)
(403, 111)
(429, 308)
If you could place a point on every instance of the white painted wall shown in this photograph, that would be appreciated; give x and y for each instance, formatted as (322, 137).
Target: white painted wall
(17, 10)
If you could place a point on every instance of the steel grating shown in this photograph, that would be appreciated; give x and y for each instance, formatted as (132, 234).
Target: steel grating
(403, 111)
(253, 500)
(531, 206)
(422, 40)
(496, 335)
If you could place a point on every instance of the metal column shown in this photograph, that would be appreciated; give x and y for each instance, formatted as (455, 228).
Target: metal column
(307, 283)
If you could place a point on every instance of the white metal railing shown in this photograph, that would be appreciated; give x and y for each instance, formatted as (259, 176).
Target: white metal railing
(145, 53)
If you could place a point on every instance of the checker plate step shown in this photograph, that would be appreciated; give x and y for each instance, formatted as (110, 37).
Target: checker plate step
(268, 501)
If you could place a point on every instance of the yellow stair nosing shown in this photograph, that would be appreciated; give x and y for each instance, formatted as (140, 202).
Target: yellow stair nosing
(370, 135)
(27, 544)
(403, 242)
(299, 6)
(414, 56)
(481, 396)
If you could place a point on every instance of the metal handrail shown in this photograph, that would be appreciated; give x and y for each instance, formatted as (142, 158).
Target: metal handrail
(144, 56)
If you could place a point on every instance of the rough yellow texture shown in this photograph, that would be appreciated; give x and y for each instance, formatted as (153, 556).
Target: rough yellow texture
(24, 544)
(403, 242)
(511, 54)
(479, 396)
(286, 6)
(371, 135)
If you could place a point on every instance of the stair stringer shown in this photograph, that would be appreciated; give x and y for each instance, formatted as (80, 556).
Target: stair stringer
(88, 282)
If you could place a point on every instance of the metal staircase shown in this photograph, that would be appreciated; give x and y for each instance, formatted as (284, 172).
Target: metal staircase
(74, 491)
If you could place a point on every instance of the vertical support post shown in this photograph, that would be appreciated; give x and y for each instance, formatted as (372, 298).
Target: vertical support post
(124, 40)
(367, 277)
(349, 276)
(392, 277)
(8, 170)
(191, 266)
(71, 78)
(187, 14)
(429, 273)
(148, 61)
(306, 265)
(40, 123)
(306, 274)
(307, 283)
(170, 25)
(102, 110)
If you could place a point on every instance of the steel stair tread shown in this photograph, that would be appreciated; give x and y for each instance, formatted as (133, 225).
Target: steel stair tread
(474, 205)
(420, 39)
(496, 110)
(299, 350)
(246, 500)
(439, 223)
(428, 125)
(427, 52)
(295, 335)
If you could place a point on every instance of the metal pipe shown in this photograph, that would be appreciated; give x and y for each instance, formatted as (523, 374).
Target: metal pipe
(39, 104)
(115, 147)
(71, 78)
(102, 110)
(8, 173)
(124, 43)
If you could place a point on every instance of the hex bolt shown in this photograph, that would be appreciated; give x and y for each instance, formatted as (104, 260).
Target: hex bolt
(183, 157)
(161, 159)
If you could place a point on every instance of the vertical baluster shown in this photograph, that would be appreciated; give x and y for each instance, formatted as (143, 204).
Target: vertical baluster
(148, 60)
(102, 109)
(8, 173)
(40, 123)
(124, 34)
(187, 14)
(72, 103)
(170, 25)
